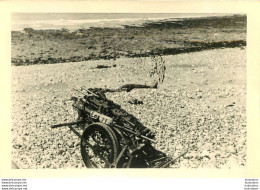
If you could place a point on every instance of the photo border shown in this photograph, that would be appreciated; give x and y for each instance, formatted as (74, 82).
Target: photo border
(251, 9)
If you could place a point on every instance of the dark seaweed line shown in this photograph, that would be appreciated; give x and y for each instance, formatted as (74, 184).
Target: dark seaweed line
(193, 47)
(198, 46)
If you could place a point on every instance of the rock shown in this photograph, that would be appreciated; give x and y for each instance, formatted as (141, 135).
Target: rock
(17, 146)
(70, 144)
(135, 102)
(61, 152)
(206, 125)
(231, 105)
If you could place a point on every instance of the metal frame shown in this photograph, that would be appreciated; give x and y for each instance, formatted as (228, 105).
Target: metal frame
(126, 145)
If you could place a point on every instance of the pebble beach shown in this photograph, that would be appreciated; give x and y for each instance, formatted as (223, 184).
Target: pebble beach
(199, 107)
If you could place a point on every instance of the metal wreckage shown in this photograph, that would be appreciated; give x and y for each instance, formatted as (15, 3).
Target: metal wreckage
(113, 138)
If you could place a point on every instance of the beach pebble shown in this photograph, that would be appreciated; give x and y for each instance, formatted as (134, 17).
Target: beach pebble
(183, 117)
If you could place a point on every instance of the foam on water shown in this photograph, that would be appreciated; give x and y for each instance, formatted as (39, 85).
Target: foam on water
(86, 20)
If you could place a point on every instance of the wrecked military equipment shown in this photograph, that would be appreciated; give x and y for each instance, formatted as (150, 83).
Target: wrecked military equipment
(112, 138)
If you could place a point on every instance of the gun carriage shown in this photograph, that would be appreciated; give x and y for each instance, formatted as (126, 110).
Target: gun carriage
(112, 138)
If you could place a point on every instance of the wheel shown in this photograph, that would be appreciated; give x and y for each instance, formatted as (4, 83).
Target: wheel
(99, 146)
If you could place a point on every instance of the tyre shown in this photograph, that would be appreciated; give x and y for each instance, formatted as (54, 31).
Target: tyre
(99, 146)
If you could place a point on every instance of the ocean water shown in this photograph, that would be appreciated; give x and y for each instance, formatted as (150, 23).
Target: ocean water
(74, 21)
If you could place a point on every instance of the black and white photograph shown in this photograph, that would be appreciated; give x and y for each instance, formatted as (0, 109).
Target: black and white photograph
(128, 90)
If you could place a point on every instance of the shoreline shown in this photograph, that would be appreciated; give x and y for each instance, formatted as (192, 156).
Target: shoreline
(74, 21)
(169, 37)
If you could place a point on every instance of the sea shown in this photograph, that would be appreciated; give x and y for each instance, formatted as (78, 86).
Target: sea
(75, 21)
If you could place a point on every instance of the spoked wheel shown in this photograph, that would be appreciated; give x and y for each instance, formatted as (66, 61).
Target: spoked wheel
(99, 146)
